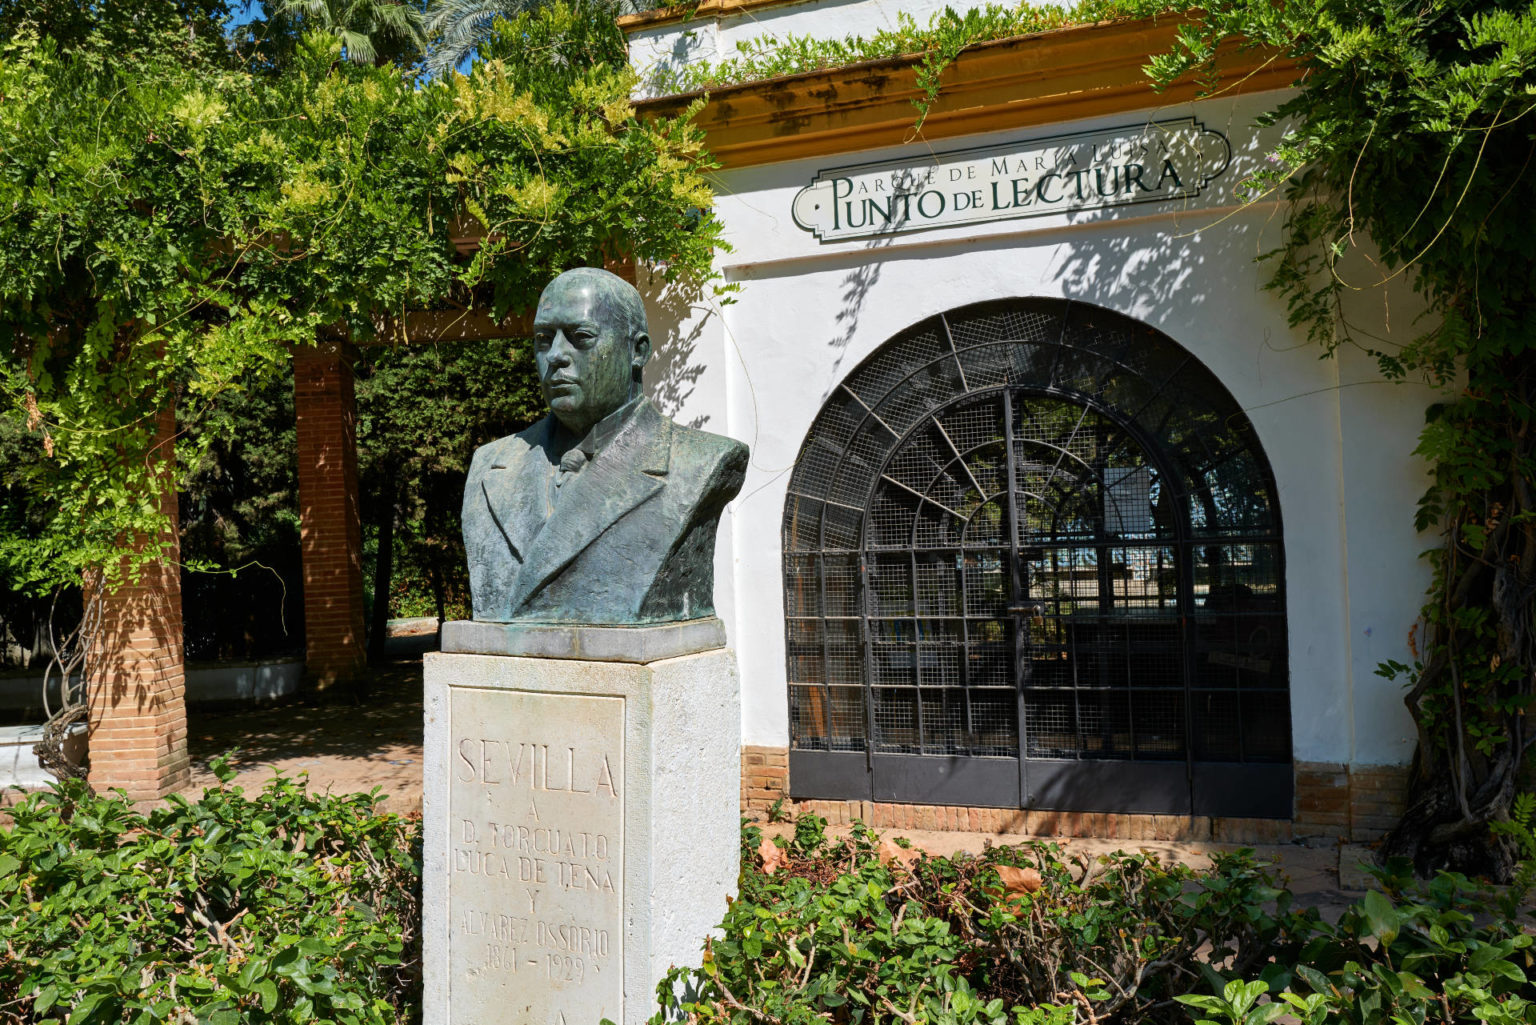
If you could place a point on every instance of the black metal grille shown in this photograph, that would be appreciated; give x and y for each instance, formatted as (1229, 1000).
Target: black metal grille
(1035, 530)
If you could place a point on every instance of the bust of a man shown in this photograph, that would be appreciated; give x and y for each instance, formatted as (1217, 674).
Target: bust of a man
(605, 511)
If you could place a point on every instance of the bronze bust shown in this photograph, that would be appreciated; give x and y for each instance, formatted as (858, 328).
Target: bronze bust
(605, 511)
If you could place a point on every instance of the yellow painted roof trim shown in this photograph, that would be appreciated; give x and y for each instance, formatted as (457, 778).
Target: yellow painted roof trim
(1037, 79)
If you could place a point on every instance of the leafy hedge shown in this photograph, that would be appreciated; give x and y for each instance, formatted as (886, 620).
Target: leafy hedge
(857, 930)
(290, 907)
(299, 907)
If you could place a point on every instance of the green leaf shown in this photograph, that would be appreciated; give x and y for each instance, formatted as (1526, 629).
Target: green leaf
(1319, 982)
(45, 999)
(1382, 916)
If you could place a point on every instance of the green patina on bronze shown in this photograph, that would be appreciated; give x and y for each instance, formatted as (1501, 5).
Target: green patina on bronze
(605, 511)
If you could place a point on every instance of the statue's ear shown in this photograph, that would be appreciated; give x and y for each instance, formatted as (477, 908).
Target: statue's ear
(642, 350)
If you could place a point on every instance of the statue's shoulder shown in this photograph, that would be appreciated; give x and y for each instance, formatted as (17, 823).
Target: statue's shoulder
(507, 450)
(717, 463)
(707, 447)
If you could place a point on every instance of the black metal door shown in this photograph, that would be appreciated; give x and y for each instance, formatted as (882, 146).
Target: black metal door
(1012, 592)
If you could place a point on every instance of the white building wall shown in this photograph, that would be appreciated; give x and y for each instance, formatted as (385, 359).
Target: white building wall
(1379, 423)
(1337, 438)
(688, 376)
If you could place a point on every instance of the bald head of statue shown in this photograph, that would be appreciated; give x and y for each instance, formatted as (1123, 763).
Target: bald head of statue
(590, 344)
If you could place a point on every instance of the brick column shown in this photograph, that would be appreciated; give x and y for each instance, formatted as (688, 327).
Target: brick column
(330, 531)
(137, 687)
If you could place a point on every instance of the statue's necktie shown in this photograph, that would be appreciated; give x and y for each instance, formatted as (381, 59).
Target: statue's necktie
(570, 464)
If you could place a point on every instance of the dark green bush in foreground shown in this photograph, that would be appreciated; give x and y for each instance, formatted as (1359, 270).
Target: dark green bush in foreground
(289, 907)
(844, 931)
(296, 907)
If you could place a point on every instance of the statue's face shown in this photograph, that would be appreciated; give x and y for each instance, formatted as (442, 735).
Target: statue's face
(586, 360)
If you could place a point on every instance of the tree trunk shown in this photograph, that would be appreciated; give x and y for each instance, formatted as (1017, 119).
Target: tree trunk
(1471, 695)
(383, 578)
(439, 597)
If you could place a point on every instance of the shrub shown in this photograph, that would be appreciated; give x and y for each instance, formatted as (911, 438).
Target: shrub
(1448, 951)
(854, 930)
(1430, 953)
(292, 907)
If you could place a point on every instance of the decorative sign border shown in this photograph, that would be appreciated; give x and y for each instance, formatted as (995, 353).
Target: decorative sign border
(1149, 162)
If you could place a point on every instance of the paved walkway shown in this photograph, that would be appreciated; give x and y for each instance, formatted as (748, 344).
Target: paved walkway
(347, 744)
(375, 741)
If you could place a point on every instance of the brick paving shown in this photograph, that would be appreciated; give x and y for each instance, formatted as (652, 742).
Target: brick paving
(350, 742)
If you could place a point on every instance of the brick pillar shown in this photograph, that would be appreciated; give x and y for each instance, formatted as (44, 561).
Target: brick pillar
(330, 534)
(137, 687)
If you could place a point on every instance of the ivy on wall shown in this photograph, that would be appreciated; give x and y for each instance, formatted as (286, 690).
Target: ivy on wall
(935, 44)
(1411, 144)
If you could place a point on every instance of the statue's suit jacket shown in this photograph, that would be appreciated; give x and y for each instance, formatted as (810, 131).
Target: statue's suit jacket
(631, 538)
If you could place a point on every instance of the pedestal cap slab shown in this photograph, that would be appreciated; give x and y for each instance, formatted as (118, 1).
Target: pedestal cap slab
(640, 644)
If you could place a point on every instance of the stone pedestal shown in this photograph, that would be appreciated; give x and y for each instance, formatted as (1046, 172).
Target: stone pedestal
(582, 810)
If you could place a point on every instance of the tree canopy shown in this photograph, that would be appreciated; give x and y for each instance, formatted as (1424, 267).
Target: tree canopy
(172, 230)
(370, 31)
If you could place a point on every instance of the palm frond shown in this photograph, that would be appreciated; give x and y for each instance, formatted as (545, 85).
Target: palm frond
(401, 22)
(359, 24)
(359, 47)
(456, 28)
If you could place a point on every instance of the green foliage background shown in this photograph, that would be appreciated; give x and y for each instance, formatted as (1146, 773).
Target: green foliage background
(422, 411)
(1409, 153)
(175, 226)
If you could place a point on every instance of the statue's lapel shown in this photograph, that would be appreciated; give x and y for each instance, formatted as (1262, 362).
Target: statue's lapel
(630, 470)
(516, 490)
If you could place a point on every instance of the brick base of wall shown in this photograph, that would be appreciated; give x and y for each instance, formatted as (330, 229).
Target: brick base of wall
(764, 779)
(1359, 803)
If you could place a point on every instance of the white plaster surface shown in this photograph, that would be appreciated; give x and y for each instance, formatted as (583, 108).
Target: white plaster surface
(677, 733)
(207, 684)
(19, 766)
(1378, 423)
(1338, 438)
(713, 38)
(243, 682)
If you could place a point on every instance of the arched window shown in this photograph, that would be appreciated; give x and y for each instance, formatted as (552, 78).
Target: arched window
(1033, 559)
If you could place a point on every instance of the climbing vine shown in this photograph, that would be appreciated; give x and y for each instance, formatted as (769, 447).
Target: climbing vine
(934, 44)
(1409, 153)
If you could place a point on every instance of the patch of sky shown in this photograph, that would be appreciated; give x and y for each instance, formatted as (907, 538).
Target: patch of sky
(245, 13)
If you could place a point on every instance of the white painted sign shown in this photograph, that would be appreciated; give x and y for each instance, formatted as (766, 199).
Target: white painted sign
(1149, 162)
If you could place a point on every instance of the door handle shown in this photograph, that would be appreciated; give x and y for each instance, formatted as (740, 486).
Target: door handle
(1035, 612)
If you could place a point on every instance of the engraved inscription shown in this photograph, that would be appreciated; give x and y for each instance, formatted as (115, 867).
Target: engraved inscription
(535, 859)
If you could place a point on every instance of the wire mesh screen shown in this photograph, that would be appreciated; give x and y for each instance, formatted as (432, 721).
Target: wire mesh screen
(1041, 530)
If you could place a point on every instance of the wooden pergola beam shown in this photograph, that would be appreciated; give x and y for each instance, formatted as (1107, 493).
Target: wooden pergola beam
(1042, 78)
(476, 325)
